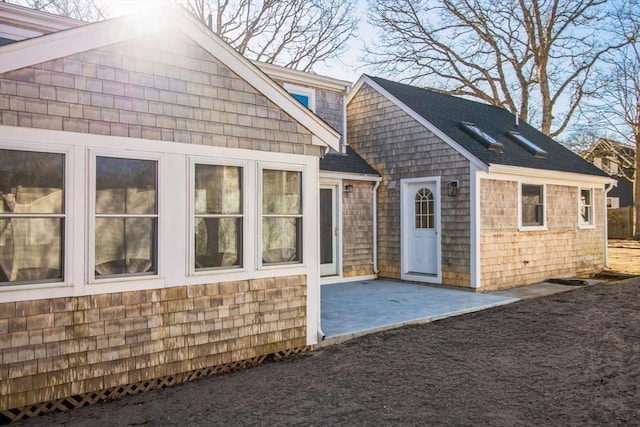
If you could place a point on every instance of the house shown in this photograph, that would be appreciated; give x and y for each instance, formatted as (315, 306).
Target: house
(159, 207)
(618, 160)
(470, 196)
(348, 184)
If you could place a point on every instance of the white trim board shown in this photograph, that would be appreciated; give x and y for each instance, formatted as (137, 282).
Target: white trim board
(92, 36)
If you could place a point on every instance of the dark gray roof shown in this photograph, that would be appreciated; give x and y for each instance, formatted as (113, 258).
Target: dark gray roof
(349, 162)
(446, 112)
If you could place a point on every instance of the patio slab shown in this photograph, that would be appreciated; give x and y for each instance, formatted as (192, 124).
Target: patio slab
(357, 308)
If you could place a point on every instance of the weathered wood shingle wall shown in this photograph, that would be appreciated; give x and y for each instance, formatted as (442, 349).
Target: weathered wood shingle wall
(163, 87)
(357, 229)
(399, 147)
(512, 257)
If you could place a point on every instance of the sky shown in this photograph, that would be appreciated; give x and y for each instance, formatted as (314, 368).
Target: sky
(347, 68)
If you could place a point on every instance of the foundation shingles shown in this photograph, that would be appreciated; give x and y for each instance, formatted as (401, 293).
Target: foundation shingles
(58, 347)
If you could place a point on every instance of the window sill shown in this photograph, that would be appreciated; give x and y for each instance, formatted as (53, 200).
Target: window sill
(533, 228)
(586, 227)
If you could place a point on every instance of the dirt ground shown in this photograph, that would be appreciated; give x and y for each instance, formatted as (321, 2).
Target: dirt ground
(566, 359)
(624, 256)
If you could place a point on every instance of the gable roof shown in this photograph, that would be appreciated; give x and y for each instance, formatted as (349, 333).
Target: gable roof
(348, 162)
(92, 36)
(444, 114)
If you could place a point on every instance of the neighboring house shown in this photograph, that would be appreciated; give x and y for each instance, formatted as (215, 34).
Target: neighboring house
(618, 160)
(159, 203)
(469, 196)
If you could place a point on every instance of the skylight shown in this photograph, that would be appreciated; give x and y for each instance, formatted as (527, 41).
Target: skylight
(486, 139)
(528, 145)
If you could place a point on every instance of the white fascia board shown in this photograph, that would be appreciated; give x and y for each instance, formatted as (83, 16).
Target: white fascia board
(515, 173)
(35, 19)
(364, 79)
(88, 37)
(303, 78)
(349, 176)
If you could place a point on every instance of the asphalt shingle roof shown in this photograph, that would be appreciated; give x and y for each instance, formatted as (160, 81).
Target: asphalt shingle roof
(446, 112)
(349, 162)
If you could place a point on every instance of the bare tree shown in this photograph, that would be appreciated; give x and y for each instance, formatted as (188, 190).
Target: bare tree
(616, 111)
(83, 10)
(533, 57)
(294, 33)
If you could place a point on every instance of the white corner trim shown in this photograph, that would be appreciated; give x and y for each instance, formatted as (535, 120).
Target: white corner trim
(476, 228)
(364, 79)
(92, 36)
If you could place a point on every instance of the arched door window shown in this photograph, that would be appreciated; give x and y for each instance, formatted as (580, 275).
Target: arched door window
(424, 209)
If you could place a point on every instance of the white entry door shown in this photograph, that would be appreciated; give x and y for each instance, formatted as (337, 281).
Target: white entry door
(328, 231)
(420, 229)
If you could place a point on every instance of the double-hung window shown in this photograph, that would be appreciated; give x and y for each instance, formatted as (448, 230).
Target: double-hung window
(126, 217)
(532, 205)
(218, 216)
(281, 216)
(32, 216)
(586, 207)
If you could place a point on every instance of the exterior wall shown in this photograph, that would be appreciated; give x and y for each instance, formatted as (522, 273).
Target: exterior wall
(329, 105)
(357, 226)
(163, 88)
(511, 257)
(399, 147)
(54, 348)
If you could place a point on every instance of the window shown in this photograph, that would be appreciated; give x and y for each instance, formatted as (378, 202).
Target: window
(487, 140)
(218, 216)
(586, 207)
(424, 209)
(281, 216)
(32, 216)
(305, 95)
(532, 205)
(126, 216)
(528, 145)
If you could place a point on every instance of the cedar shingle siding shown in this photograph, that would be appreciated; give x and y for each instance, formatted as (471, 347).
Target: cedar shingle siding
(398, 147)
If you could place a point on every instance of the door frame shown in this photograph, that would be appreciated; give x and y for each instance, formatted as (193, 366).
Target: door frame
(336, 185)
(406, 221)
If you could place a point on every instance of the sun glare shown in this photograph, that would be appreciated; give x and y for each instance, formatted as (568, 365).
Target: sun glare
(130, 7)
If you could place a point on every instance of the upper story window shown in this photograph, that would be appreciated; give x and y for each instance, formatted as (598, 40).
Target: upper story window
(586, 206)
(305, 95)
(532, 212)
(528, 145)
(218, 216)
(126, 216)
(484, 138)
(281, 216)
(32, 216)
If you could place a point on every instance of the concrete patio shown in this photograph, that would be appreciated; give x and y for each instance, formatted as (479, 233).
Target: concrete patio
(357, 308)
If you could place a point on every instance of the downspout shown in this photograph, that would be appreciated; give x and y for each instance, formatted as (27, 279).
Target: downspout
(606, 221)
(343, 145)
(374, 192)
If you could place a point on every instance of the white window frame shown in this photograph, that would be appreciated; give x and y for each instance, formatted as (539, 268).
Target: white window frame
(613, 202)
(67, 234)
(591, 222)
(288, 168)
(304, 91)
(94, 153)
(523, 227)
(245, 167)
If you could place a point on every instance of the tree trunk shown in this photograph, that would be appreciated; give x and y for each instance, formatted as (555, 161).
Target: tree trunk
(636, 186)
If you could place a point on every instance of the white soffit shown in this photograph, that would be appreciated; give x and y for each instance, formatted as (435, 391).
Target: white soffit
(92, 36)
